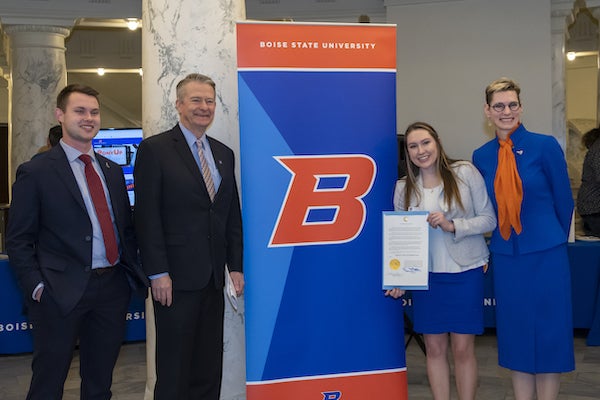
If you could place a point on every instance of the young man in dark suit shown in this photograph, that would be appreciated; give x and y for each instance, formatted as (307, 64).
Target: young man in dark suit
(188, 221)
(71, 242)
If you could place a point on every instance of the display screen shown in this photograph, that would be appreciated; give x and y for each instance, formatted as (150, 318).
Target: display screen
(120, 145)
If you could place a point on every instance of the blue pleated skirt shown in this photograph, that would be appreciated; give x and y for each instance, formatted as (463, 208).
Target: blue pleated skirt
(453, 303)
(534, 322)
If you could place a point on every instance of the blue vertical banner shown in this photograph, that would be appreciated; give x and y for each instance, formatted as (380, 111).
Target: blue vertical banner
(319, 163)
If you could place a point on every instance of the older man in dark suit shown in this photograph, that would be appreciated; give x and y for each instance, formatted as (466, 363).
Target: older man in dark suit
(188, 221)
(71, 242)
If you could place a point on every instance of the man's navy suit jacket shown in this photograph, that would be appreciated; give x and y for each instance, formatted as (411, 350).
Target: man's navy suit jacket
(49, 233)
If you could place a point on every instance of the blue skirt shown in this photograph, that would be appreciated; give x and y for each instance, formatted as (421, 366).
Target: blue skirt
(453, 303)
(534, 323)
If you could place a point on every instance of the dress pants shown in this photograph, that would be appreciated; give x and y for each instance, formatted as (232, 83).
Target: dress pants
(97, 321)
(189, 345)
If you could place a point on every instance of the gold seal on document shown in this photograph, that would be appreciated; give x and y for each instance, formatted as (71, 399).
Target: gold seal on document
(394, 263)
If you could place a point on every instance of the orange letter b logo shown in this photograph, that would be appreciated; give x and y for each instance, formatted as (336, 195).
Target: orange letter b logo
(323, 204)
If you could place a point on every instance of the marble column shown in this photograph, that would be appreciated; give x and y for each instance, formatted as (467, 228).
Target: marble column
(38, 72)
(596, 14)
(180, 37)
(559, 93)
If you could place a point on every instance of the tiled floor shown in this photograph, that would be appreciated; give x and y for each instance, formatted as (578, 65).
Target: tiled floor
(494, 382)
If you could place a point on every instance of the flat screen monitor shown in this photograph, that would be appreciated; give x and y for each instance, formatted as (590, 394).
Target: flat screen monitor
(120, 145)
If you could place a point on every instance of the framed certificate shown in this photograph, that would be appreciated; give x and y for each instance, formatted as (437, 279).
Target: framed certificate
(405, 250)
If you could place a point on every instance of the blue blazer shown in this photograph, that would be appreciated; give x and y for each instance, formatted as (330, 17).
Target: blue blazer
(49, 231)
(547, 204)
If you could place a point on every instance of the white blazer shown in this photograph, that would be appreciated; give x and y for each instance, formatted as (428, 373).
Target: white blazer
(466, 245)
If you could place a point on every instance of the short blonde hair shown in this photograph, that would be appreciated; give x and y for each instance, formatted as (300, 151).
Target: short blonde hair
(502, 85)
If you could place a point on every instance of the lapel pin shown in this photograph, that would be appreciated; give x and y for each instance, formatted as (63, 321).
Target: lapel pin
(520, 152)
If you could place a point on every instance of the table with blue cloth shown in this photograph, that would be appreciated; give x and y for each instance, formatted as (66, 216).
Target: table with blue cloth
(584, 259)
(15, 331)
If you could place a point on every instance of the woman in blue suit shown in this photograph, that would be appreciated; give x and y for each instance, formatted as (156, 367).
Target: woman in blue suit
(526, 177)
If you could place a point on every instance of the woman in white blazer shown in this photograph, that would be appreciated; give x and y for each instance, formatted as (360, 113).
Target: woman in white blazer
(460, 212)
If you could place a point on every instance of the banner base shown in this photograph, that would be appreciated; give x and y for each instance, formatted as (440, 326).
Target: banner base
(359, 386)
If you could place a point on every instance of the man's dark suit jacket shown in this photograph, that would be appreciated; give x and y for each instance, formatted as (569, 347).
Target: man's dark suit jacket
(179, 230)
(49, 234)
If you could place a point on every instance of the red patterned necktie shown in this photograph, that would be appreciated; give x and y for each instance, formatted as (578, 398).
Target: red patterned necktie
(101, 207)
(208, 180)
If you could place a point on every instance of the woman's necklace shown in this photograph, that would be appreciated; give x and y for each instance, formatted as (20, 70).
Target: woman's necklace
(432, 190)
(431, 184)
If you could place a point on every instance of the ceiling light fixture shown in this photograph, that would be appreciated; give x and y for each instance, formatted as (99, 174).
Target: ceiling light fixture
(101, 71)
(571, 55)
(133, 23)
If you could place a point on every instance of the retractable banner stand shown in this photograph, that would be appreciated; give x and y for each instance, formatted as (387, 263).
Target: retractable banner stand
(319, 164)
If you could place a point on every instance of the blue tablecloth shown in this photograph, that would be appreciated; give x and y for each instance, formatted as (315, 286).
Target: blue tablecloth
(585, 281)
(585, 278)
(15, 335)
(584, 258)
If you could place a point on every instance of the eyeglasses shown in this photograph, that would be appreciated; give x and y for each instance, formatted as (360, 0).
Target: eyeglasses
(513, 106)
